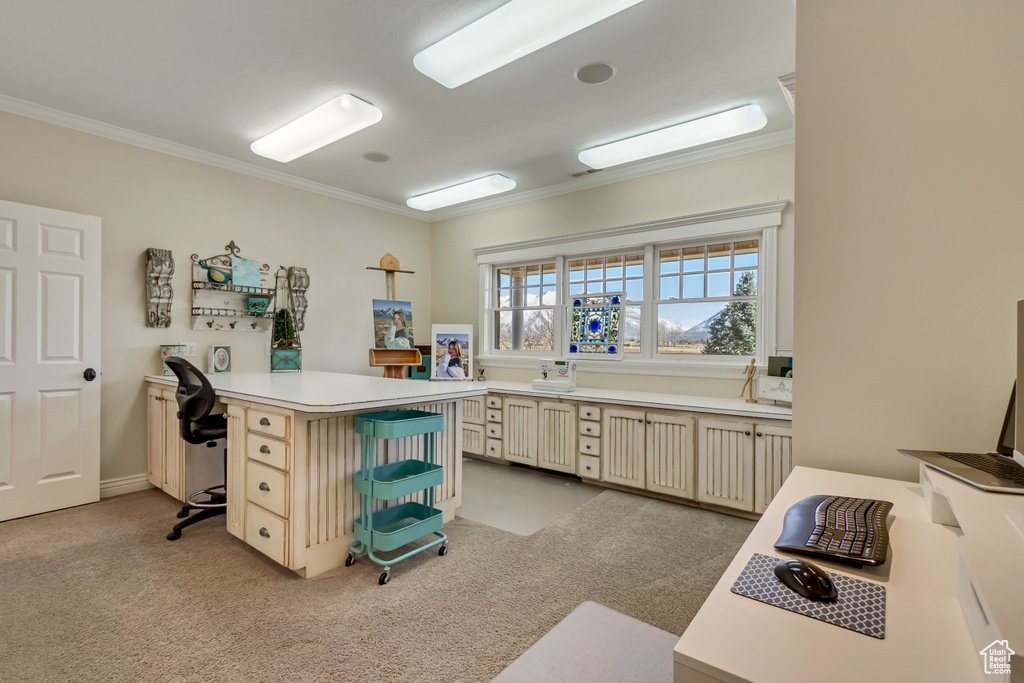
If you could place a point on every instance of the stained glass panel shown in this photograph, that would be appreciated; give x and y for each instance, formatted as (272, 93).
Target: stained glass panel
(595, 325)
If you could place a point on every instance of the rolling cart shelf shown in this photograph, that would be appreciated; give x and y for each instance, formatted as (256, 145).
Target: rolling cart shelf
(393, 527)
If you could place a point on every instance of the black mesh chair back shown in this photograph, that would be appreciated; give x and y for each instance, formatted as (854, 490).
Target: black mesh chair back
(195, 401)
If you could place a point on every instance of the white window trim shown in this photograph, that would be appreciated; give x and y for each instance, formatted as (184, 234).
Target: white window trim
(764, 219)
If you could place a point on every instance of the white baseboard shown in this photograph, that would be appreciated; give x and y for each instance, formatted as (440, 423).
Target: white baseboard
(123, 485)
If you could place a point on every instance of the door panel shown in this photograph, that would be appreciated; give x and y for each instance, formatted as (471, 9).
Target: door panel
(670, 461)
(50, 269)
(622, 447)
(557, 446)
(725, 469)
(519, 427)
(773, 461)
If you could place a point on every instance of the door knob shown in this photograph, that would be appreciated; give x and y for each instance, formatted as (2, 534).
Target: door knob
(264, 533)
(89, 374)
(263, 486)
(265, 422)
(265, 450)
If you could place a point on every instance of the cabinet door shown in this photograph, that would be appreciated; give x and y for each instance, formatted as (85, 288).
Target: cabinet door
(557, 438)
(473, 438)
(670, 461)
(473, 409)
(773, 461)
(174, 449)
(155, 436)
(519, 427)
(725, 463)
(622, 446)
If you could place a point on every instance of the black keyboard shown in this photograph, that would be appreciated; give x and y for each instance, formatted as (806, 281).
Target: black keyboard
(993, 464)
(848, 530)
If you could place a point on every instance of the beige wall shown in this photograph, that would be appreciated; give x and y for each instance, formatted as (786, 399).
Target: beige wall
(910, 243)
(147, 199)
(748, 179)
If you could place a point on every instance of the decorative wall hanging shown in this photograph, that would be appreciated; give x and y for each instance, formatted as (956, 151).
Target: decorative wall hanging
(285, 347)
(229, 292)
(595, 329)
(298, 278)
(159, 293)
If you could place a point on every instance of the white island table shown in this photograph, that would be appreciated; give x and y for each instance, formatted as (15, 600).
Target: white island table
(293, 452)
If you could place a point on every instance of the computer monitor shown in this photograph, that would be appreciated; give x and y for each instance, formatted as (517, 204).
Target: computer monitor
(1018, 448)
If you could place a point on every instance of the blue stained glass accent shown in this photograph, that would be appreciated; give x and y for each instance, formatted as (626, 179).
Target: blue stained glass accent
(577, 302)
(595, 325)
(611, 349)
(615, 299)
(573, 348)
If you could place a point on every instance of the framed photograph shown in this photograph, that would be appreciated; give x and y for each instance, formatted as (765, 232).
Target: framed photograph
(450, 352)
(219, 360)
(169, 350)
(392, 324)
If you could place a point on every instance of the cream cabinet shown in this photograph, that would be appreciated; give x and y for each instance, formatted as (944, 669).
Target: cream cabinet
(473, 432)
(519, 430)
(623, 442)
(725, 457)
(166, 448)
(267, 484)
(556, 446)
(670, 454)
(773, 461)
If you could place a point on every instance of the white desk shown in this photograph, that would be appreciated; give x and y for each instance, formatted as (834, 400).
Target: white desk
(293, 452)
(928, 638)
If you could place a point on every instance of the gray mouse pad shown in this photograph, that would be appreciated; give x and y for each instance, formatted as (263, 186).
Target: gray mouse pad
(860, 607)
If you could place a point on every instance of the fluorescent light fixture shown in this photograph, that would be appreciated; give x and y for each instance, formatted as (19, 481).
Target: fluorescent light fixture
(342, 116)
(727, 124)
(514, 30)
(464, 192)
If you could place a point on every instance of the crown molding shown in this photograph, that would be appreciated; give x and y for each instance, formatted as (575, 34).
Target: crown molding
(106, 130)
(723, 151)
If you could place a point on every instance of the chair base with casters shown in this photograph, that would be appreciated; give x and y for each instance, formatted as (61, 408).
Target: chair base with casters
(195, 399)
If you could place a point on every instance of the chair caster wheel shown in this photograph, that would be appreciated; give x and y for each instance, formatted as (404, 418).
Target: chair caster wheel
(384, 578)
(174, 536)
(182, 514)
(351, 560)
(443, 550)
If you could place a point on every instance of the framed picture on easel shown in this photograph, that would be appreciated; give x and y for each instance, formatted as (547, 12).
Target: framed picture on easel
(392, 324)
(451, 352)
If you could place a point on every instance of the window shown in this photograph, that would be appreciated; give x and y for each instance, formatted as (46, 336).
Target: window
(699, 292)
(524, 313)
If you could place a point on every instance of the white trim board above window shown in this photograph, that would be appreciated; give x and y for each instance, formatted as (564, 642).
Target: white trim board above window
(740, 230)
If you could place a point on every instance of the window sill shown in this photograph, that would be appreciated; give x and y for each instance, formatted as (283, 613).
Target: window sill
(710, 368)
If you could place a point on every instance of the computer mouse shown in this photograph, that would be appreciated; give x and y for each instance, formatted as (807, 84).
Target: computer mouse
(807, 579)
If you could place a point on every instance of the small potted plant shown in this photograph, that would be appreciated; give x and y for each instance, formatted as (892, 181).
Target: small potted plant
(285, 348)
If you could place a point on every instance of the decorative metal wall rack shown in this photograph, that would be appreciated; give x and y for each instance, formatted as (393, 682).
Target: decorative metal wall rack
(218, 303)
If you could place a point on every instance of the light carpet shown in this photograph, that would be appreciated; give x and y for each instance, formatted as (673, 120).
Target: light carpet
(96, 593)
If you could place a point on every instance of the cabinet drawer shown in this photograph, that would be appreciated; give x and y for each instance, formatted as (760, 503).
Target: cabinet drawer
(266, 532)
(493, 415)
(590, 466)
(266, 487)
(590, 445)
(493, 448)
(267, 451)
(493, 430)
(588, 428)
(494, 402)
(590, 413)
(273, 424)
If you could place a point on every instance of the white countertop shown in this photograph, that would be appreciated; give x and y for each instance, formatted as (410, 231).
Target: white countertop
(645, 399)
(331, 392)
(734, 638)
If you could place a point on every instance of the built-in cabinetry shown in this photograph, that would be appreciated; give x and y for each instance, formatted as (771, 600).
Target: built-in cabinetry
(719, 459)
(166, 448)
(268, 490)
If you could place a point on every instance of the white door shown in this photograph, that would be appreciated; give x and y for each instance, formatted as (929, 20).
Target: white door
(49, 342)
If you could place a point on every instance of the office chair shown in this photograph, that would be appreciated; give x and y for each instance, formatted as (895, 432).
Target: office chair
(195, 400)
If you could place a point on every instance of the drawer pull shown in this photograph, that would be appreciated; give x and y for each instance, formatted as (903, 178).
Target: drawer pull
(640, 420)
(265, 422)
(263, 486)
(588, 446)
(264, 533)
(588, 468)
(759, 434)
(588, 430)
(648, 422)
(747, 432)
(265, 450)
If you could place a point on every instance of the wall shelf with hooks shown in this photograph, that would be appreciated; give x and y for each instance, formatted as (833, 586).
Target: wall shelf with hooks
(219, 303)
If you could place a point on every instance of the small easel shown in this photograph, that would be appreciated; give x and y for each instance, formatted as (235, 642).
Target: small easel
(394, 361)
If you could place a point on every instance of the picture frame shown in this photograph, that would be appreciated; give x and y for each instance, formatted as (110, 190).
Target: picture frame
(392, 324)
(452, 347)
(218, 360)
(169, 351)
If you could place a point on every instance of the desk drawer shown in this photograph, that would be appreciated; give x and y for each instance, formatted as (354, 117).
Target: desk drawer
(590, 413)
(493, 415)
(588, 428)
(590, 445)
(494, 402)
(266, 532)
(493, 430)
(590, 467)
(493, 448)
(267, 451)
(273, 424)
(266, 487)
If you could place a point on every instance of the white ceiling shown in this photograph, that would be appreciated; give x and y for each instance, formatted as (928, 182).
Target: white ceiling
(214, 75)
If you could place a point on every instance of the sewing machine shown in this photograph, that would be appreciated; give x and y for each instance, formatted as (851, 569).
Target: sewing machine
(559, 375)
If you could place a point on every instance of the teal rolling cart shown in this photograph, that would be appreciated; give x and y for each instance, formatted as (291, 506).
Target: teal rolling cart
(393, 527)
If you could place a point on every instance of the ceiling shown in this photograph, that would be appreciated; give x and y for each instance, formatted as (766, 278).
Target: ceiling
(204, 78)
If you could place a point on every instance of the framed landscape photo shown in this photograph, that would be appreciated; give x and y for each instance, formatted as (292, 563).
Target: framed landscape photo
(392, 324)
(451, 352)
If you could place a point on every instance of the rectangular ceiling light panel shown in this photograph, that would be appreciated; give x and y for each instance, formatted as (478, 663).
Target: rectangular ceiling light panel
(474, 189)
(674, 138)
(514, 30)
(342, 116)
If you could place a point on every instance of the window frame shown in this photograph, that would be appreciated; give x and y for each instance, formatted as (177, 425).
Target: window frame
(758, 221)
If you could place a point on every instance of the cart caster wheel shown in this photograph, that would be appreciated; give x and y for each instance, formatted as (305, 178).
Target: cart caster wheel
(351, 560)
(174, 536)
(182, 514)
(384, 578)
(443, 550)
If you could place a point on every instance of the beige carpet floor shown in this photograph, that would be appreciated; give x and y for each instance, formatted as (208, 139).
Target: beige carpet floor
(96, 593)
